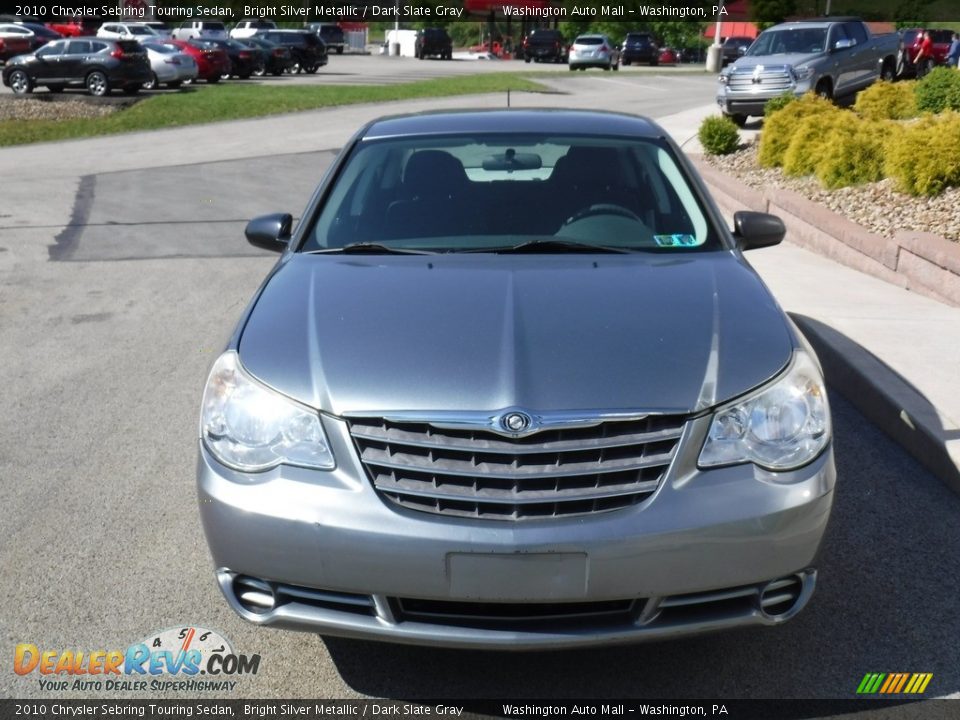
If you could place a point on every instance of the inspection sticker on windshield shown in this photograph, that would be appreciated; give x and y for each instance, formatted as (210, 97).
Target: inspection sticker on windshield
(675, 240)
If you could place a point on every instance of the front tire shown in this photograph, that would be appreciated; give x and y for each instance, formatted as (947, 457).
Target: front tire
(311, 70)
(739, 119)
(825, 90)
(20, 83)
(153, 83)
(97, 84)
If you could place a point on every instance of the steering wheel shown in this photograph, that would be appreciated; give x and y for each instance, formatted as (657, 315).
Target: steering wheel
(603, 209)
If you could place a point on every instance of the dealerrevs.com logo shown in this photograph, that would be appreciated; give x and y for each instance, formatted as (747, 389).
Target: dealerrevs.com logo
(188, 658)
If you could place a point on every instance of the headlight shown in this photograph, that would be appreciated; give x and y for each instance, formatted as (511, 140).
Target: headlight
(251, 428)
(781, 427)
(803, 73)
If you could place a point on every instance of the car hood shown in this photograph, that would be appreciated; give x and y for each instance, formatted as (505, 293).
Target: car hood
(658, 333)
(749, 62)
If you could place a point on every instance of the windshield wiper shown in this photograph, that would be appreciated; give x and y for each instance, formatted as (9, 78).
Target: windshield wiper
(552, 245)
(368, 248)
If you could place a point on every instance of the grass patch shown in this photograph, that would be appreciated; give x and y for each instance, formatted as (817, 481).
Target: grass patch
(231, 101)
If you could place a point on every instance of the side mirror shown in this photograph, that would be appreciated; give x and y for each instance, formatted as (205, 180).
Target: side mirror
(757, 230)
(270, 232)
(844, 44)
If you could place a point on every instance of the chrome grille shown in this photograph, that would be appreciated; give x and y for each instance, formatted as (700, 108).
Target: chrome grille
(771, 79)
(478, 473)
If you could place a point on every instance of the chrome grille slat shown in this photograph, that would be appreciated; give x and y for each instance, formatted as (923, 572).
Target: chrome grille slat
(578, 469)
(510, 470)
(399, 437)
(519, 497)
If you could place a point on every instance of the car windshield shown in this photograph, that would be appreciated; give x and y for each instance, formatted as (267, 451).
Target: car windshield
(491, 192)
(790, 41)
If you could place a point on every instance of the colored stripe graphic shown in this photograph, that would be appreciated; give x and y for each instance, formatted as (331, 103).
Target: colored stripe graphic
(894, 683)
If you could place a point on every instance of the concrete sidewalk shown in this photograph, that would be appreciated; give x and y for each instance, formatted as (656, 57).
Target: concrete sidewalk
(893, 353)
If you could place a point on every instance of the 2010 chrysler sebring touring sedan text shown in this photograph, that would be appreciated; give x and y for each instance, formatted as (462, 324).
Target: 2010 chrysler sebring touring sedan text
(512, 385)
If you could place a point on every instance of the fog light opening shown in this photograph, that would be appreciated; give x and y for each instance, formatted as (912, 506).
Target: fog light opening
(256, 596)
(779, 598)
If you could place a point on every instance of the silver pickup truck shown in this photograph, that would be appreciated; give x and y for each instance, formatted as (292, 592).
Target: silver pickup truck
(833, 57)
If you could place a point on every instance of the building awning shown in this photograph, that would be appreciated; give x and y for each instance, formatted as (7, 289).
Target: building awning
(732, 29)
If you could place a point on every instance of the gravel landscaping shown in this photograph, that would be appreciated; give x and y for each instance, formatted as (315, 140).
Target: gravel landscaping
(877, 206)
(60, 107)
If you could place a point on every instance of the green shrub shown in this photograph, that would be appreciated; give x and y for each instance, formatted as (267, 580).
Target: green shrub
(806, 143)
(778, 128)
(922, 158)
(853, 154)
(887, 101)
(778, 103)
(939, 90)
(719, 135)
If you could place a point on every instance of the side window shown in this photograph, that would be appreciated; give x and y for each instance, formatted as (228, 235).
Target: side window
(837, 33)
(78, 47)
(51, 50)
(855, 31)
(98, 47)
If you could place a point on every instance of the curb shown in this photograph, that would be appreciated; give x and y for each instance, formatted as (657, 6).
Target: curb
(887, 399)
(881, 394)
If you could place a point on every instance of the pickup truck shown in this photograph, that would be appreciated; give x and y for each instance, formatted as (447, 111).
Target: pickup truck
(833, 57)
(200, 29)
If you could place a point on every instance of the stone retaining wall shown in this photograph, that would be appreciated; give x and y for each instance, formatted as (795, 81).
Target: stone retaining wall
(919, 261)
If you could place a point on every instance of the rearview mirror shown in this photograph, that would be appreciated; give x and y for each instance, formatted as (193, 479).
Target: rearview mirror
(757, 230)
(270, 232)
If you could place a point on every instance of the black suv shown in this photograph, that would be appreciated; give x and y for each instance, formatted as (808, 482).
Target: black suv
(544, 44)
(734, 48)
(639, 47)
(433, 41)
(308, 51)
(98, 64)
(332, 36)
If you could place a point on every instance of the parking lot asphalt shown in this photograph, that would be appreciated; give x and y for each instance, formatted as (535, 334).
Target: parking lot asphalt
(123, 269)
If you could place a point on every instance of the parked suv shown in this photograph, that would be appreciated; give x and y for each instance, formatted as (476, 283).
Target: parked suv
(594, 51)
(99, 64)
(734, 48)
(639, 47)
(308, 51)
(201, 29)
(332, 36)
(543, 45)
(433, 41)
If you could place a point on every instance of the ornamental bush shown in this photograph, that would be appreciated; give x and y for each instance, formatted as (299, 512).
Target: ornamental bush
(806, 146)
(887, 101)
(719, 135)
(939, 90)
(852, 154)
(922, 158)
(778, 103)
(779, 127)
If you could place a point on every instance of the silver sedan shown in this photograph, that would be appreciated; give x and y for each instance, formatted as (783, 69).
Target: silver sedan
(169, 66)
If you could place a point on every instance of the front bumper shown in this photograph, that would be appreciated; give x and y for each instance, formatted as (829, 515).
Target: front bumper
(753, 101)
(696, 556)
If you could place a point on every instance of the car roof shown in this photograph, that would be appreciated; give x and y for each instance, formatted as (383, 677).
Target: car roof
(560, 122)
